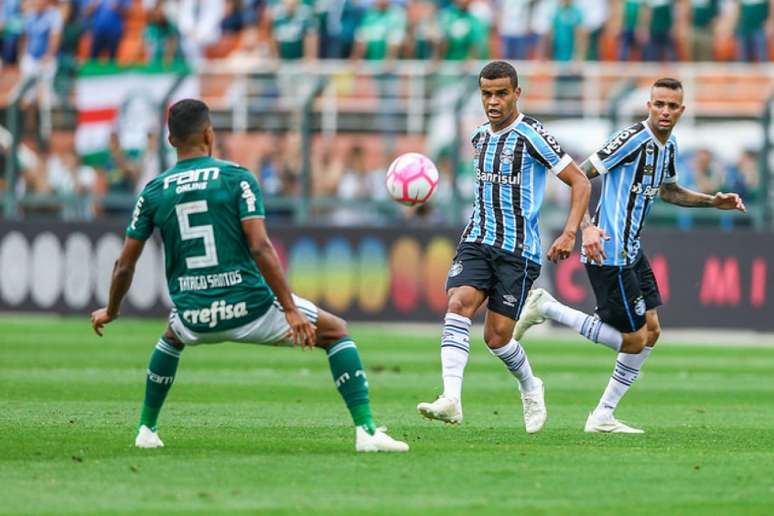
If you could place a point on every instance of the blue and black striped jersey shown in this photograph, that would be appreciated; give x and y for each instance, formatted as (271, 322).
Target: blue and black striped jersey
(510, 173)
(634, 164)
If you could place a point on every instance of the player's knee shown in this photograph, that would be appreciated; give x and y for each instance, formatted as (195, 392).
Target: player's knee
(458, 306)
(170, 337)
(653, 334)
(330, 328)
(496, 337)
(634, 342)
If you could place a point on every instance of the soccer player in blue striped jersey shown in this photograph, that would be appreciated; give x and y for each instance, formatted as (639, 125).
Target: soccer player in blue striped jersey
(498, 257)
(637, 164)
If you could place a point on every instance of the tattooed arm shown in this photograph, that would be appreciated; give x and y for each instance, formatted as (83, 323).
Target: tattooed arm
(680, 196)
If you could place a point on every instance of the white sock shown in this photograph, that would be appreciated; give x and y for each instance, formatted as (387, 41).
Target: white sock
(515, 359)
(455, 348)
(626, 371)
(588, 326)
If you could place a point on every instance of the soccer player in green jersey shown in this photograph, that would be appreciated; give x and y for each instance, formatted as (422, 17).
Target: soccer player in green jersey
(224, 276)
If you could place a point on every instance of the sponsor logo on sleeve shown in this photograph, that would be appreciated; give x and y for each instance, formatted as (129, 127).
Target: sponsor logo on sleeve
(619, 139)
(248, 196)
(550, 140)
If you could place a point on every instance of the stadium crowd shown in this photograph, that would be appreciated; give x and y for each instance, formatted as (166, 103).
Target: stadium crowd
(35, 32)
(51, 38)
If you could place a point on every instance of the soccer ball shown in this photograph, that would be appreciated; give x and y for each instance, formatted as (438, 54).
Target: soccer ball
(411, 179)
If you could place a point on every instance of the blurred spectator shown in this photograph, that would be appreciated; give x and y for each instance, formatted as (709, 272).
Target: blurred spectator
(658, 17)
(11, 29)
(381, 32)
(464, 34)
(595, 15)
(199, 24)
(150, 163)
(67, 59)
(279, 167)
(541, 20)
(42, 31)
(753, 25)
(293, 30)
(744, 178)
(107, 26)
(707, 173)
(118, 178)
(356, 181)
(516, 41)
(73, 181)
(630, 38)
(704, 15)
(423, 36)
(565, 32)
(233, 21)
(162, 39)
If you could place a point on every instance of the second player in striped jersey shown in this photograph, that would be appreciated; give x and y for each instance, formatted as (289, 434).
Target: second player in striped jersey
(498, 257)
(637, 165)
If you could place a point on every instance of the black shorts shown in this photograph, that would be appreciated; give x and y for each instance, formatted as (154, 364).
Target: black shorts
(624, 294)
(503, 276)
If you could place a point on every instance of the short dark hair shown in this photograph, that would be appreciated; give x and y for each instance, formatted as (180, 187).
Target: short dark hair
(498, 70)
(187, 118)
(668, 82)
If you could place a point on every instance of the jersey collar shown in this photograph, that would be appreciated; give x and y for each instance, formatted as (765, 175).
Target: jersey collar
(505, 129)
(653, 136)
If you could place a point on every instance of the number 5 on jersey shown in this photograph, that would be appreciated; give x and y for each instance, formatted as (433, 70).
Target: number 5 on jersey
(205, 232)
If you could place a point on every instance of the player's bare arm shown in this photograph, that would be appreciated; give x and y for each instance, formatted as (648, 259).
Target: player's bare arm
(588, 168)
(572, 176)
(302, 331)
(123, 273)
(678, 195)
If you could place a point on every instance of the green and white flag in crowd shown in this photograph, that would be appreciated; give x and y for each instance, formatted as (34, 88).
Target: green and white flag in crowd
(125, 100)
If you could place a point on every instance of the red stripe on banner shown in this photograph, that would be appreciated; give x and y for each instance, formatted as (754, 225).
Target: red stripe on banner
(97, 115)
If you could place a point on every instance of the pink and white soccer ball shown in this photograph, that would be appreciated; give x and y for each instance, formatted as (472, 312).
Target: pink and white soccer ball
(411, 179)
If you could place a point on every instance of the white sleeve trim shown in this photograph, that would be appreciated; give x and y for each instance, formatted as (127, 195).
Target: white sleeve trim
(601, 168)
(672, 179)
(566, 160)
(253, 217)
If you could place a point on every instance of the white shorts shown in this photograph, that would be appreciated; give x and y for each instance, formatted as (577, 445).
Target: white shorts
(271, 328)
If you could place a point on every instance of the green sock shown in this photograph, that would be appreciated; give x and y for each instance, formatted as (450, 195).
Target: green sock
(161, 374)
(350, 379)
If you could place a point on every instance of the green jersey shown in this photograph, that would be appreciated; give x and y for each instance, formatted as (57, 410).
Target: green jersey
(198, 206)
(752, 16)
(661, 17)
(290, 29)
(704, 11)
(463, 32)
(379, 30)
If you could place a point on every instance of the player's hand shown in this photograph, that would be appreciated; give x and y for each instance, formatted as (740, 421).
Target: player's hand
(728, 201)
(592, 244)
(99, 318)
(301, 330)
(562, 247)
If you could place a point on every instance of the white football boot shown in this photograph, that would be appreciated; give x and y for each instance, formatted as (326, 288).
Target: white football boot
(379, 442)
(607, 423)
(147, 438)
(443, 409)
(534, 405)
(532, 313)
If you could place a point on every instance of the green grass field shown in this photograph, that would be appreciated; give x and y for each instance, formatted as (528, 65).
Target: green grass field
(251, 429)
